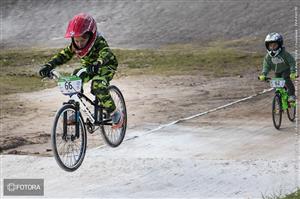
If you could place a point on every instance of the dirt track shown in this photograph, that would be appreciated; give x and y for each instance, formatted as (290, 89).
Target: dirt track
(232, 153)
(151, 100)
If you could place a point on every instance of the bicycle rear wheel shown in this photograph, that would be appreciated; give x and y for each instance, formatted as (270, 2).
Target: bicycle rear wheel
(277, 111)
(114, 137)
(291, 111)
(69, 151)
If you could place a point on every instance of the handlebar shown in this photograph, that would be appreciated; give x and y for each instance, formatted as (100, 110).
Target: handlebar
(267, 79)
(56, 75)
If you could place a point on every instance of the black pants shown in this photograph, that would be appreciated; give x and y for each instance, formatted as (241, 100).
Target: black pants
(288, 82)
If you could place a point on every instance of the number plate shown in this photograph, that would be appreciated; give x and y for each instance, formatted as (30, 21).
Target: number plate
(277, 83)
(69, 85)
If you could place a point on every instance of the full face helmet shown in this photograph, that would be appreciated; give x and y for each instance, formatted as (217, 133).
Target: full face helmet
(274, 38)
(82, 25)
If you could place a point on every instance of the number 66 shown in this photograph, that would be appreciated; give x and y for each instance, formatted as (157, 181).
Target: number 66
(68, 86)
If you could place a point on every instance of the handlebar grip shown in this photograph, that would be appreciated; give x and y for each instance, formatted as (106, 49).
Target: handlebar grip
(54, 74)
(266, 79)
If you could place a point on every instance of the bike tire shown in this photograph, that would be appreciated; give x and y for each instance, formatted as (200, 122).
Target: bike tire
(291, 112)
(277, 111)
(55, 146)
(108, 133)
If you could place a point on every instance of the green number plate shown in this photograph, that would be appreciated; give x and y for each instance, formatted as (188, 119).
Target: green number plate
(69, 85)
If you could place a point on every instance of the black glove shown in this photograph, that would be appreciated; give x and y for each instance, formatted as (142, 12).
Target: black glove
(94, 68)
(45, 70)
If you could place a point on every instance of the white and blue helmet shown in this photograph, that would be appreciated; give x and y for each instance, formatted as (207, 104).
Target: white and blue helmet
(274, 37)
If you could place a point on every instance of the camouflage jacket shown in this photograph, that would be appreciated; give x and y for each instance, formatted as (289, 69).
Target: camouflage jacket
(99, 52)
(283, 61)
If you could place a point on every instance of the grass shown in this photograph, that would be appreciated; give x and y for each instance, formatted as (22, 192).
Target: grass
(15, 84)
(223, 58)
(187, 59)
(294, 195)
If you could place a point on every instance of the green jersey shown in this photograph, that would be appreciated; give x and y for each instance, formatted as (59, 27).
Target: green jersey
(282, 62)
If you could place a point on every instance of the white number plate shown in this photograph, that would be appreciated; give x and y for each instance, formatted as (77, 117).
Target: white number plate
(69, 85)
(277, 83)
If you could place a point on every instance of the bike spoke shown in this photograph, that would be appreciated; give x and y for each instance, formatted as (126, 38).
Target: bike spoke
(67, 150)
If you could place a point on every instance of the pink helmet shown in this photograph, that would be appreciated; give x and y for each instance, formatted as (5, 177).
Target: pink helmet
(80, 25)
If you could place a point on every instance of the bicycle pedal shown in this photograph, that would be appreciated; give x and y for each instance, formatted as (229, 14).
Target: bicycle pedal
(91, 131)
(90, 127)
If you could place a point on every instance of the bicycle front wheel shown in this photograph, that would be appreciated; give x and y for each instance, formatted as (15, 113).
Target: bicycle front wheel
(277, 111)
(114, 137)
(69, 150)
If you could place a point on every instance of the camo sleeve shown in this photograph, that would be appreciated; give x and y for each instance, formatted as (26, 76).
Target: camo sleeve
(106, 56)
(62, 57)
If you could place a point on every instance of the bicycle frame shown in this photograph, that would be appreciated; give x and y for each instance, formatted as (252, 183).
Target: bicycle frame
(76, 99)
(284, 97)
(97, 120)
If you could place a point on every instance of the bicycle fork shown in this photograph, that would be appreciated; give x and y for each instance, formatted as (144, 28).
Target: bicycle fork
(65, 121)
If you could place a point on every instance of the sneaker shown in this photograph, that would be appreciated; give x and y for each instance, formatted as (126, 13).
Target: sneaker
(117, 119)
(292, 98)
